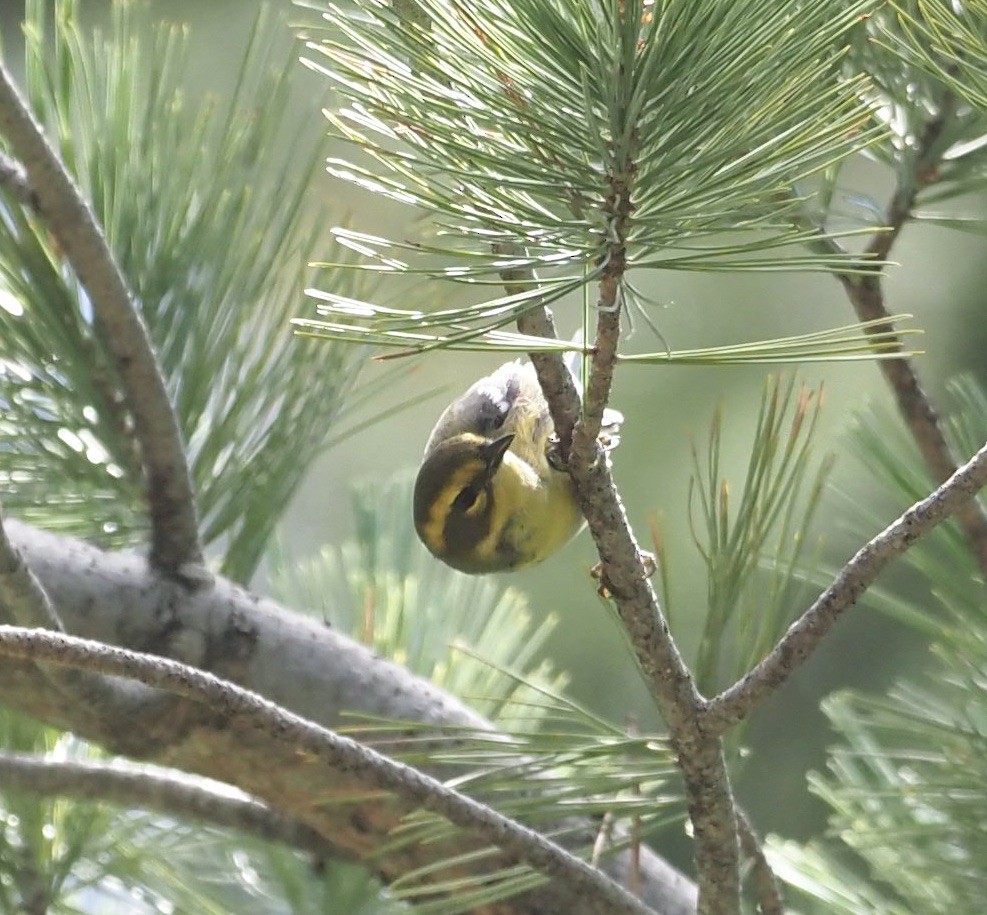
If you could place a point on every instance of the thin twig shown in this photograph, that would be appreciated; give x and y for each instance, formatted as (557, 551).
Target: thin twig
(556, 380)
(167, 791)
(603, 840)
(806, 633)
(866, 293)
(634, 730)
(700, 756)
(175, 546)
(769, 898)
(234, 703)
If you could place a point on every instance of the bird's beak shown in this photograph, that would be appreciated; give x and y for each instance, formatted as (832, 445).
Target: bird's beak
(493, 452)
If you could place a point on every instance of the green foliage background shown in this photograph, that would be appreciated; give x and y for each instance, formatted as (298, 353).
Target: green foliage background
(940, 280)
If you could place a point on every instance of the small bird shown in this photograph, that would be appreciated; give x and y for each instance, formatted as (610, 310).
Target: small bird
(487, 499)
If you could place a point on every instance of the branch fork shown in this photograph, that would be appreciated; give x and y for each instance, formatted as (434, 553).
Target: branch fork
(40, 180)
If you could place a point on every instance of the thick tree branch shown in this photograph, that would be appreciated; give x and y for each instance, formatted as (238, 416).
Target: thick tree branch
(171, 792)
(22, 599)
(519, 843)
(35, 891)
(116, 598)
(13, 177)
(806, 633)
(54, 196)
(24, 602)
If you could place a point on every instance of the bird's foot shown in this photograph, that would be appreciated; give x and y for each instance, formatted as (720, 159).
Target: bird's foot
(604, 589)
(553, 454)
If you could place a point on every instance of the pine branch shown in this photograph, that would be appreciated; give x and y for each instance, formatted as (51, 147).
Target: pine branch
(13, 177)
(864, 289)
(866, 293)
(175, 539)
(553, 376)
(806, 633)
(920, 174)
(173, 793)
(625, 579)
(35, 891)
(116, 597)
(519, 843)
(23, 600)
(769, 897)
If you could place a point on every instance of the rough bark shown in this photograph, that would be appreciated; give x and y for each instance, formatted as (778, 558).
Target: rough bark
(294, 661)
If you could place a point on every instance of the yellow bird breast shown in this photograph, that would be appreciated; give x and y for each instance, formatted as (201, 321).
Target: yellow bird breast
(532, 514)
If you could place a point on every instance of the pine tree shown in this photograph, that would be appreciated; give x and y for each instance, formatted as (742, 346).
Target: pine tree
(174, 741)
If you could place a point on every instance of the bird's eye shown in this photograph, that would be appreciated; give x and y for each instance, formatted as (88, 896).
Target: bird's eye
(491, 415)
(466, 499)
(471, 501)
(489, 423)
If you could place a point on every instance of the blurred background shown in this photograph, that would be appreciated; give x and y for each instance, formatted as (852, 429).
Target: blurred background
(940, 278)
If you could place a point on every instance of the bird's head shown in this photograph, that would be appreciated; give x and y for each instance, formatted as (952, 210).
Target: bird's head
(454, 501)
